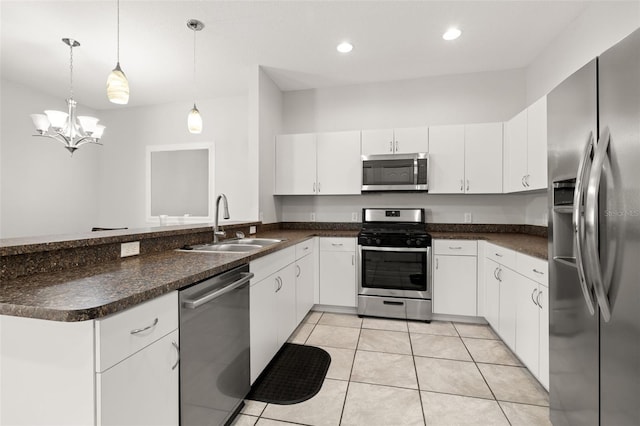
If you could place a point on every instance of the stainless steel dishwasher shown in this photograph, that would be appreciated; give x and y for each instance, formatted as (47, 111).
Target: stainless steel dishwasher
(214, 348)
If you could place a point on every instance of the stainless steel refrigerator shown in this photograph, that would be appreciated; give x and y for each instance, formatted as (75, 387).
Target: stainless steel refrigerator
(594, 241)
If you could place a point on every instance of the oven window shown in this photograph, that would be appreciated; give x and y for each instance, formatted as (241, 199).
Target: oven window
(387, 172)
(394, 270)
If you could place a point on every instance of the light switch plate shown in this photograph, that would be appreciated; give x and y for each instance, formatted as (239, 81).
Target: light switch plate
(130, 249)
(312, 218)
(354, 216)
(252, 230)
(467, 218)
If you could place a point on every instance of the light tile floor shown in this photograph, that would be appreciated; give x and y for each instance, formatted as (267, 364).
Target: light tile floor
(394, 372)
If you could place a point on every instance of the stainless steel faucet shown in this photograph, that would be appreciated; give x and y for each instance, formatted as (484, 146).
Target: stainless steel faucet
(225, 204)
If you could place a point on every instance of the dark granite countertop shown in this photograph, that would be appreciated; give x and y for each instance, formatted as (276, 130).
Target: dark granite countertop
(99, 290)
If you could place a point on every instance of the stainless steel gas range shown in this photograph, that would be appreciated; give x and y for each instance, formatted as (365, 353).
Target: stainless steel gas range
(394, 264)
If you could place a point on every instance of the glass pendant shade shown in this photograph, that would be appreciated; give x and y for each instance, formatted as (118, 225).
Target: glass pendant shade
(118, 86)
(194, 120)
(88, 124)
(41, 123)
(58, 119)
(99, 130)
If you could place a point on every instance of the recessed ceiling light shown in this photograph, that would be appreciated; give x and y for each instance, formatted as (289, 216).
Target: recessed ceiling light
(344, 47)
(451, 34)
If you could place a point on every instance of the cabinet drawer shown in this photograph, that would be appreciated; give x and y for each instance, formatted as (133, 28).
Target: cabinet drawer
(533, 268)
(456, 247)
(123, 334)
(503, 256)
(304, 248)
(267, 265)
(337, 244)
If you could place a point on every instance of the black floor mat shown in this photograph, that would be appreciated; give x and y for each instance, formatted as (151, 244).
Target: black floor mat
(294, 375)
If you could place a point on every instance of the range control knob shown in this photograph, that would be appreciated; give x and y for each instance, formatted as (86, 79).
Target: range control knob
(418, 242)
(378, 241)
(409, 242)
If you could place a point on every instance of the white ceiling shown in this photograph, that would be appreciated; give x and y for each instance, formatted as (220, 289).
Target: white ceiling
(294, 40)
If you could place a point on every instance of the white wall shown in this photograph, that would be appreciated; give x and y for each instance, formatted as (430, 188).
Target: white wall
(122, 160)
(269, 124)
(453, 99)
(43, 189)
(599, 27)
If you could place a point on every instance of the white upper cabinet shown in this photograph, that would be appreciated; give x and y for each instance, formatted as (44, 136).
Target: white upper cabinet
(339, 163)
(406, 140)
(296, 164)
(483, 158)
(446, 159)
(465, 159)
(525, 160)
(318, 164)
(537, 145)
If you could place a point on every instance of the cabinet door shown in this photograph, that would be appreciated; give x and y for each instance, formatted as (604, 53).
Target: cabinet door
(286, 303)
(446, 159)
(454, 285)
(508, 298)
(142, 389)
(527, 325)
(379, 141)
(338, 278)
(295, 164)
(304, 286)
(543, 301)
(339, 163)
(263, 324)
(515, 153)
(537, 144)
(409, 140)
(483, 158)
(492, 293)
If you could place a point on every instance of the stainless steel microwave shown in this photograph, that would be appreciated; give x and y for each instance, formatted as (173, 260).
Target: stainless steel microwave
(395, 172)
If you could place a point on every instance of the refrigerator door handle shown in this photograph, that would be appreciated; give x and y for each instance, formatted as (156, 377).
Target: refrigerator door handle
(591, 223)
(578, 221)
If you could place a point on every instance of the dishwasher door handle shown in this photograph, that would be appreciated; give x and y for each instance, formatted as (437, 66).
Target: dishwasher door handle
(194, 304)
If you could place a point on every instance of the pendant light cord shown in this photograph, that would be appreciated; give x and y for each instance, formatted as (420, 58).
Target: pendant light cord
(71, 70)
(118, 34)
(194, 66)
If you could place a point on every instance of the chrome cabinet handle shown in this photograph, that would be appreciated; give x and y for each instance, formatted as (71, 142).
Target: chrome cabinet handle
(390, 146)
(318, 187)
(533, 298)
(397, 146)
(523, 183)
(527, 180)
(298, 271)
(353, 259)
(140, 330)
(500, 275)
(498, 254)
(600, 161)
(538, 299)
(337, 244)
(437, 263)
(455, 248)
(467, 184)
(584, 168)
(279, 282)
(314, 187)
(538, 272)
(495, 274)
(175, 345)
(461, 185)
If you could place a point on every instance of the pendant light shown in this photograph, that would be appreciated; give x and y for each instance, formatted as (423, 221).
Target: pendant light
(117, 84)
(194, 119)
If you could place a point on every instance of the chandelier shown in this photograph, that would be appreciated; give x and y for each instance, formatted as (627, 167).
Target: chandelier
(65, 127)
(194, 119)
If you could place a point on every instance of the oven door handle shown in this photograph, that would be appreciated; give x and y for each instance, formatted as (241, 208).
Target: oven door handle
(396, 249)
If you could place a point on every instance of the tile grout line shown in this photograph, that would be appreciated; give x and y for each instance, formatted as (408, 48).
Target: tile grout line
(344, 403)
(415, 370)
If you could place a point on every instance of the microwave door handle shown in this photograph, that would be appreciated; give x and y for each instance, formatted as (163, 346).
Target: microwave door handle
(600, 161)
(415, 171)
(578, 221)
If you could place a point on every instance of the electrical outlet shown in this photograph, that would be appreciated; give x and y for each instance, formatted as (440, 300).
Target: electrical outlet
(467, 218)
(130, 249)
(354, 216)
(252, 230)
(312, 217)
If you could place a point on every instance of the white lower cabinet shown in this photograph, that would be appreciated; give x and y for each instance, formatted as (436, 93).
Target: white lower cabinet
(455, 279)
(142, 389)
(338, 272)
(517, 306)
(305, 278)
(286, 303)
(263, 323)
(102, 372)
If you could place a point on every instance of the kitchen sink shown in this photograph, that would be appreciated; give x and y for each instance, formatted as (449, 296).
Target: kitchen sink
(241, 245)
